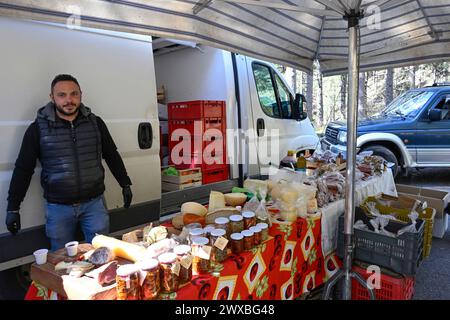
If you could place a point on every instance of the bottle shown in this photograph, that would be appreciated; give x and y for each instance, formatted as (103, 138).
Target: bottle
(301, 163)
(289, 161)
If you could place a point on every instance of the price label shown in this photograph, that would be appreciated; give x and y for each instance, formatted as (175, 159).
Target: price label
(176, 268)
(186, 261)
(221, 243)
(203, 252)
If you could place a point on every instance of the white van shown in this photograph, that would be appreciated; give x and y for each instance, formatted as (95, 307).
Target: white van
(119, 76)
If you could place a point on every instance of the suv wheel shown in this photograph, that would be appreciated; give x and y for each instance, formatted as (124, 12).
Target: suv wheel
(387, 155)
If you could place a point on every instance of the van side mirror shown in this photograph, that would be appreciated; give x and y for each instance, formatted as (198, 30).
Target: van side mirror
(298, 112)
(435, 114)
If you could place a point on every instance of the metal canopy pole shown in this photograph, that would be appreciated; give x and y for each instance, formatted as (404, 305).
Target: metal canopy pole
(346, 273)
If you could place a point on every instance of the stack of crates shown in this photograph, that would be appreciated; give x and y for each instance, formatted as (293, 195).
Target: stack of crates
(202, 122)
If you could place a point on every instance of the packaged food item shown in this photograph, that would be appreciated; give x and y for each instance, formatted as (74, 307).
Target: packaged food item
(249, 219)
(201, 253)
(219, 245)
(248, 239)
(223, 223)
(170, 270)
(127, 282)
(151, 283)
(264, 231)
(237, 223)
(237, 243)
(256, 235)
(184, 257)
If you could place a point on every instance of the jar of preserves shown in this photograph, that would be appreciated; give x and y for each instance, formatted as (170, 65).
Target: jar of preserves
(264, 231)
(248, 239)
(197, 232)
(151, 285)
(256, 235)
(219, 248)
(201, 253)
(207, 230)
(184, 257)
(237, 243)
(170, 270)
(223, 223)
(127, 282)
(237, 223)
(249, 219)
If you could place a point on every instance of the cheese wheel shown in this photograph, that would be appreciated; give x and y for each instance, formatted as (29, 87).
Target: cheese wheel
(194, 208)
(216, 201)
(120, 248)
(235, 199)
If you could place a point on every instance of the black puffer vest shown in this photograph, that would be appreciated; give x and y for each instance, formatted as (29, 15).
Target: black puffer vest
(70, 156)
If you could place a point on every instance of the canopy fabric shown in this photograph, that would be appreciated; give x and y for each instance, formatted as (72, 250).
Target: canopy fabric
(289, 32)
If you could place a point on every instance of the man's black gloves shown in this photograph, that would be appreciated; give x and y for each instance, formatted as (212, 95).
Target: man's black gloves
(13, 221)
(127, 196)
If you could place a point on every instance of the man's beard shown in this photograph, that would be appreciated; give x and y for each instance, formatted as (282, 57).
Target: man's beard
(67, 113)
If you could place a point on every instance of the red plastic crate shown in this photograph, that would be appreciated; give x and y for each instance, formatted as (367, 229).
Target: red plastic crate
(198, 160)
(197, 109)
(392, 288)
(215, 175)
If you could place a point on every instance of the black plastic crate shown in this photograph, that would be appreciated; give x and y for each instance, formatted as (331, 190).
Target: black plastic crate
(402, 254)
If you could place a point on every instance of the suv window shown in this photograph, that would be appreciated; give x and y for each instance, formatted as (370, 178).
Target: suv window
(444, 105)
(274, 97)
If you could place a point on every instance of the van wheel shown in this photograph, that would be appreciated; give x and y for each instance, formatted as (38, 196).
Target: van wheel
(386, 154)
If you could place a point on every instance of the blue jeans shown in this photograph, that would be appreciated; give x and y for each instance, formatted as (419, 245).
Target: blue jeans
(62, 221)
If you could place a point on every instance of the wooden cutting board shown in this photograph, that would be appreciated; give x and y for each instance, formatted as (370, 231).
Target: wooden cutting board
(72, 288)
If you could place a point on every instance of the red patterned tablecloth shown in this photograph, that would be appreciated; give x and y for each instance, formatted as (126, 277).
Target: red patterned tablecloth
(284, 267)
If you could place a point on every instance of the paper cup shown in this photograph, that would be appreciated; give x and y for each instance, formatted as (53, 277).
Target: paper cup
(72, 248)
(40, 256)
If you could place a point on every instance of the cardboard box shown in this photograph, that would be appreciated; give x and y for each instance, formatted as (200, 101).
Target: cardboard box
(435, 199)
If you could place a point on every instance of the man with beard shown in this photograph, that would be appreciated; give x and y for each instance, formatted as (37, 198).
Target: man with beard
(69, 141)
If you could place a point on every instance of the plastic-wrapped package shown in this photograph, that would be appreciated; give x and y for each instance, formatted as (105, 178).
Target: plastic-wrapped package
(379, 224)
(161, 247)
(261, 212)
(301, 206)
(413, 216)
(360, 225)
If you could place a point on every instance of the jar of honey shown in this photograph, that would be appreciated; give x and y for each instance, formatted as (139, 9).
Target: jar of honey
(237, 243)
(249, 219)
(249, 240)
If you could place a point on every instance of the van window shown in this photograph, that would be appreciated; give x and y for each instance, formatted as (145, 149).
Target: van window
(266, 90)
(285, 98)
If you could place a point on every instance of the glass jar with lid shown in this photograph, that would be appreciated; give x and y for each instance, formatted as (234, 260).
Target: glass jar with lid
(207, 230)
(127, 282)
(197, 232)
(248, 239)
(201, 254)
(151, 285)
(237, 243)
(236, 223)
(170, 270)
(264, 231)
(219, 253)
(256, 235)
(249, 219)
(223, 223)
(184, 257)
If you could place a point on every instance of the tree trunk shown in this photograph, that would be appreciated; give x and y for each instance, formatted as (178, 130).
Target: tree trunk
(362, 98)
(412, 76)
(309, 94)
(343, 94)
(320, 83)
(294, 80)
(389, 85)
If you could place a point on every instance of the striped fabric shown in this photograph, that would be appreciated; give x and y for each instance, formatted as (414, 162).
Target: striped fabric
(289, 32)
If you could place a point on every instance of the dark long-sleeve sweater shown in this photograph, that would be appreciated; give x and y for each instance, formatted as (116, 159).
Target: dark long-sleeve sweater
(29, 153)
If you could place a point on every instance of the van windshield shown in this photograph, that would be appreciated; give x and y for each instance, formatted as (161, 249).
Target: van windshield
(408, 104)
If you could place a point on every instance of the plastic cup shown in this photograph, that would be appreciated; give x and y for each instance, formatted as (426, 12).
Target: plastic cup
(72, 248)
(40, 256)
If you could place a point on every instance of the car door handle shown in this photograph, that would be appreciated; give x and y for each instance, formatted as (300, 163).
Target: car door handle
(145, 135)
(260, 127)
